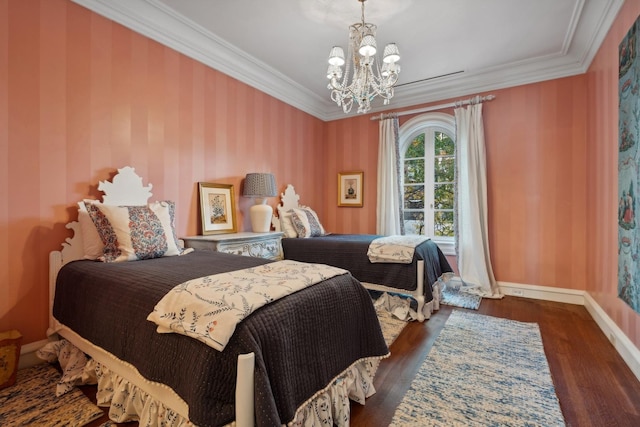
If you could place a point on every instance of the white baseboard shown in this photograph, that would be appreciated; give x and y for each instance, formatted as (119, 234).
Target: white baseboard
(627, 350)
(546, 293)
(623, 345)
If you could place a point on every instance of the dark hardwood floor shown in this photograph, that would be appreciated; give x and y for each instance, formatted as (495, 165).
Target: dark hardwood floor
(594, 385)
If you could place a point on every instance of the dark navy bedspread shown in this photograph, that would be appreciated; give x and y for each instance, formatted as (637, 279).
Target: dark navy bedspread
(325, 327)
(349, 251)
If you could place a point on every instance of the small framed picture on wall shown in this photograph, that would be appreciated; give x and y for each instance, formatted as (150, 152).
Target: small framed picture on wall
(350, 188)
(217, 208)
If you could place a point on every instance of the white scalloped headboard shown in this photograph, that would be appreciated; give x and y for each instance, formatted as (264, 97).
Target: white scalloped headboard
(289, 200)
(124, 189)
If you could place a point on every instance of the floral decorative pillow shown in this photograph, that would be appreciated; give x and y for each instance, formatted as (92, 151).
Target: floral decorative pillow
(286, 224)
(306, 223)
(91, 241)
(131, 233)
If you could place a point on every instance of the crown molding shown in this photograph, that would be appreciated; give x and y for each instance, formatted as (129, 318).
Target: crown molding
(155, 20)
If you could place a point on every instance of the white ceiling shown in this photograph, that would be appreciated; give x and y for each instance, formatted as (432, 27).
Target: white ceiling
(449, 48)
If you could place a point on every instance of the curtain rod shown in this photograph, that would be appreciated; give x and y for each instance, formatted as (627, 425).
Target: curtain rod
(475, 100)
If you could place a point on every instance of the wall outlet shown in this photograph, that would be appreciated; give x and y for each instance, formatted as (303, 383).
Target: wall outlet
(517, 292)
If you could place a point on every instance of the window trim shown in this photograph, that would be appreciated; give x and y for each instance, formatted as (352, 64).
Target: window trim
(437, 121)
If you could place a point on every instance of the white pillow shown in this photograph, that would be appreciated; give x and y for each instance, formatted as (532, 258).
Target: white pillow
(306, 223)
(286, 224)
(91, 241)
(131, 233)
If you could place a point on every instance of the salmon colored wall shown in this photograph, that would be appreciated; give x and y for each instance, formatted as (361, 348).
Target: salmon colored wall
(602, 161)
(81, 96)
(536, 162)
(351, 145)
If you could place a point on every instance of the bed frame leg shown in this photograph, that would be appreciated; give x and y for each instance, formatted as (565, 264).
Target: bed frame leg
(420, 300)
(419, 296)
(244, 391)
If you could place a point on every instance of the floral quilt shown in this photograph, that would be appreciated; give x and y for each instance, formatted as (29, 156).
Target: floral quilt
(209, 308)
(397, 249)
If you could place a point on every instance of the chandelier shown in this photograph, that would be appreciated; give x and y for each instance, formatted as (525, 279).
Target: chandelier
(363, 79)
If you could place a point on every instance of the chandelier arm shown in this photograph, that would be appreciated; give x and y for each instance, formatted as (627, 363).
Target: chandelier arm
(385, 90)
(335, 86)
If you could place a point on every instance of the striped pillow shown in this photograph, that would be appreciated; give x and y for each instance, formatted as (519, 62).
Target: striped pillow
(306, 223)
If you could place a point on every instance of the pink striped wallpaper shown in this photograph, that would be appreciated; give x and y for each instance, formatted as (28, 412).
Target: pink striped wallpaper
(81, 96)
(537, 183)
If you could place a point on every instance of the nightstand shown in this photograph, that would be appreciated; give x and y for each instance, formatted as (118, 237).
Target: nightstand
(259, 245)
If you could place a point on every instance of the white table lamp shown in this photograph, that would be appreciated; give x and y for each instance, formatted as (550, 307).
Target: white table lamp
(260, 186)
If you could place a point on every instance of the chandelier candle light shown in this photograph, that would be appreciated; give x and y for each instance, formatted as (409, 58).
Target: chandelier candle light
(368, 80)
(260, 186)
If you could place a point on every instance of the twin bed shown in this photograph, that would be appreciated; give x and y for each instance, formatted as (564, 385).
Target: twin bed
(350, 251)
(293, 361)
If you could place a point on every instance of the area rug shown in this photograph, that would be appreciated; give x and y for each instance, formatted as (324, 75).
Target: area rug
(460, 299)
(391, 326)
(452, 293)
(482, 371)
(32, 401)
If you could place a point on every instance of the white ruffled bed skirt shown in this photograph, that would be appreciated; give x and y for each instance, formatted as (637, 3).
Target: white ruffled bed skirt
(332, 406)
(127, 402)
(400, 307)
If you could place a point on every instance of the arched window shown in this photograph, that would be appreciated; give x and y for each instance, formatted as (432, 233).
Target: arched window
(427, 150)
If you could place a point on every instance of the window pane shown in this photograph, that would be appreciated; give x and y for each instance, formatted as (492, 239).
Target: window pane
(444, 169)
(443, 144)
(428, 162)
(416, 148)
(414, 171)
(443, 223)
(413, 215)
(413, 222)
(443, 196)
(414, 197)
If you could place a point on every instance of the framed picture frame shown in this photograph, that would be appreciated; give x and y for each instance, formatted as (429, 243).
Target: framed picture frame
(350, 186)
(217, 208)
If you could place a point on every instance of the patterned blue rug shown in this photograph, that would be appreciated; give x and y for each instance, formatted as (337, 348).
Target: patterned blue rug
(452, 292)
(391, 326)
(32, 401)
(460, 299)
(482, 371)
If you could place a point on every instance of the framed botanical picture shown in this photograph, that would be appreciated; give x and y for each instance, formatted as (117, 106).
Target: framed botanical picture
(350, 189)
(217, 208)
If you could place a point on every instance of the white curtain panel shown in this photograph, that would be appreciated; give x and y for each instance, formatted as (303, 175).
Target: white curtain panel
(474, 260)
(389, 207)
